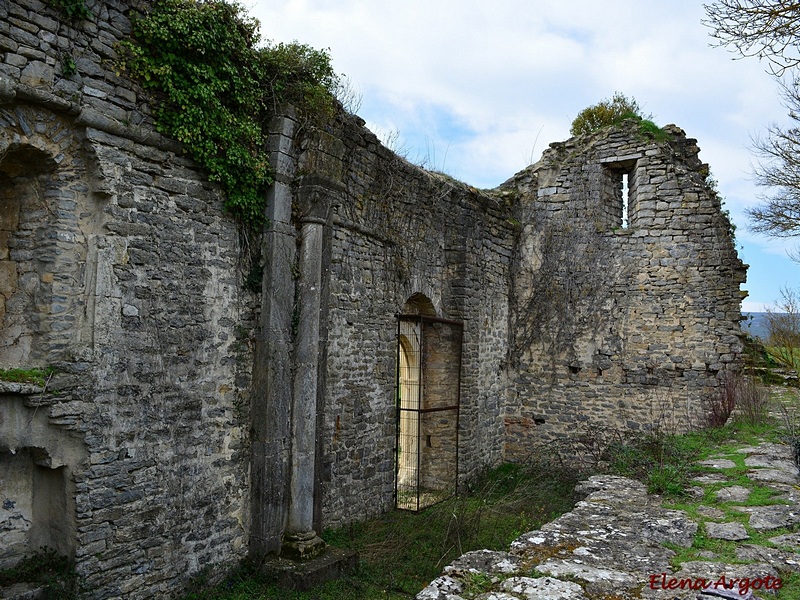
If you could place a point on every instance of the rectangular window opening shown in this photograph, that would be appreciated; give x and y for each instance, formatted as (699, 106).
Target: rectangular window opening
(625, 199)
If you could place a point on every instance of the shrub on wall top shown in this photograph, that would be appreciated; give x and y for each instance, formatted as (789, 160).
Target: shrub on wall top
(216, 86)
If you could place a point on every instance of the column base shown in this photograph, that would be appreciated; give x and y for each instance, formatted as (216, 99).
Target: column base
(333, 563)
(302, 546)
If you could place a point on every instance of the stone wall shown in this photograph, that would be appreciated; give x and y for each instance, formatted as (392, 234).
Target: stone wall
(192, 420)
(400, 233)
(628, 325)
(119, 268)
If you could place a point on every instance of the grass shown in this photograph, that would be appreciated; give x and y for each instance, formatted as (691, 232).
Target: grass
(733, 437)
(401, 552)
(55, 574)
(37, 376)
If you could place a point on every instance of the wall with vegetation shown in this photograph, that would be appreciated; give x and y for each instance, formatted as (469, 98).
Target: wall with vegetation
(121, 269)
(400, 232)
(138, 281)
(619, 324)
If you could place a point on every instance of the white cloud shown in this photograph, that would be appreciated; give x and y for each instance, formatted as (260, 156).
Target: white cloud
(492, 84)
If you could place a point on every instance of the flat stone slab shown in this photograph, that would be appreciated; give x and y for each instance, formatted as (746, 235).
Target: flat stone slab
(719, 463)
(772, 475)
(789, 540)
(603, 578)
(734, 493)
(779, 559)
(767, 448)
(709, 478)
(788, 493)
(333, 563)
(697, 492)
(710, 512)
(489, 562)
(771, 462)
(733, 532)
(543, 588)
(777, 516)
(441, 588)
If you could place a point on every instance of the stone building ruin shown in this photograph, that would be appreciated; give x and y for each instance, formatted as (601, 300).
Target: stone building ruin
(192, 420)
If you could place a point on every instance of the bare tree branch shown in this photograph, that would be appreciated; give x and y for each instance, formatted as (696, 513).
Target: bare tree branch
(779, 170)
(766, 29)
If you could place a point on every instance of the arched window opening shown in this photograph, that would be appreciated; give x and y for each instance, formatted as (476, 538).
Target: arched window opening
(25, 175)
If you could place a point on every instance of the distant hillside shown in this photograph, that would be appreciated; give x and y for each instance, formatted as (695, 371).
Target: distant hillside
(755, 324)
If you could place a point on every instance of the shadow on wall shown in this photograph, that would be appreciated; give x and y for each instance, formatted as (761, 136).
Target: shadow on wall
(38, 494)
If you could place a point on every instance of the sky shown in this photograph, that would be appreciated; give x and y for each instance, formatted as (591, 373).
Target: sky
(480, 89)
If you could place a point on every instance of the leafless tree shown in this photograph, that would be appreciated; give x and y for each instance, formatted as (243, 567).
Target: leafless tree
(766, 29)
(779, 169)
(770, 30)
(783, 327)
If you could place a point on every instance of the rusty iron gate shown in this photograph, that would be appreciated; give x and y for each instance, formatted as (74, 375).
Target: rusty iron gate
(428, 397)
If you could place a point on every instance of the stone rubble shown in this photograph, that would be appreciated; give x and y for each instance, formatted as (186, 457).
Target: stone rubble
(617, 544)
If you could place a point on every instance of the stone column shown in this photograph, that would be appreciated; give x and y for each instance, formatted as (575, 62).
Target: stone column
(272, 385)
(301, 541)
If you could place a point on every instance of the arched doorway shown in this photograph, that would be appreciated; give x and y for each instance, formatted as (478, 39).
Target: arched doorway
(428, 397)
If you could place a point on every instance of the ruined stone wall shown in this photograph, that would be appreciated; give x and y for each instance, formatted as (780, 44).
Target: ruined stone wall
(160, 436)
(618, 326)
(400, 232)
(118, 267)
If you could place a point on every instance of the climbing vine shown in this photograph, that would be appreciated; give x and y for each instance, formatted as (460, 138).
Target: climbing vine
(572, 260)
(73, 9)
(216, 85)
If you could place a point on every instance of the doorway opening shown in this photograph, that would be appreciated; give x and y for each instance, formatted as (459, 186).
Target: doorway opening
(428, 397)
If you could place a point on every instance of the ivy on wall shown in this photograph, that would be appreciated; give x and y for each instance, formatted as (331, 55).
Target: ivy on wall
(73, 9)
(216, 86)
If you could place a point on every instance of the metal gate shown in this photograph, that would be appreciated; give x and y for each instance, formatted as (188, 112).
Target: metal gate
(428, 397)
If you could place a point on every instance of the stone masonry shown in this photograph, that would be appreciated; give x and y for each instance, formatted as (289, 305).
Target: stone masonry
(620, 542)
(621, 319)
(192, 420)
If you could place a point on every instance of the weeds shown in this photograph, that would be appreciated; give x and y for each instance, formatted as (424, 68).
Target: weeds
(752, 402)
(37, 376)
(55, 573)
(401, 552)
(791, 424)
(719, 407)
(664, 461)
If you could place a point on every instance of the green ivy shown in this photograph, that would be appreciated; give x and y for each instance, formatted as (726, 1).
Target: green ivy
(74, 9)
(216, 85)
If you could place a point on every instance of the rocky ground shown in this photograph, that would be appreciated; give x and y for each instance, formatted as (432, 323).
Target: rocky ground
(738, 536)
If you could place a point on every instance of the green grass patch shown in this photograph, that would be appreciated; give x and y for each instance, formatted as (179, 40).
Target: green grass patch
(665, 462)
(762, 496)
(55, 573)
(402, 552)
(791, 586)
(647, 127)
(37, 376)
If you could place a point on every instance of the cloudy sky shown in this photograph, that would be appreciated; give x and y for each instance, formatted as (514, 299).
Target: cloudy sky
(479, 89)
